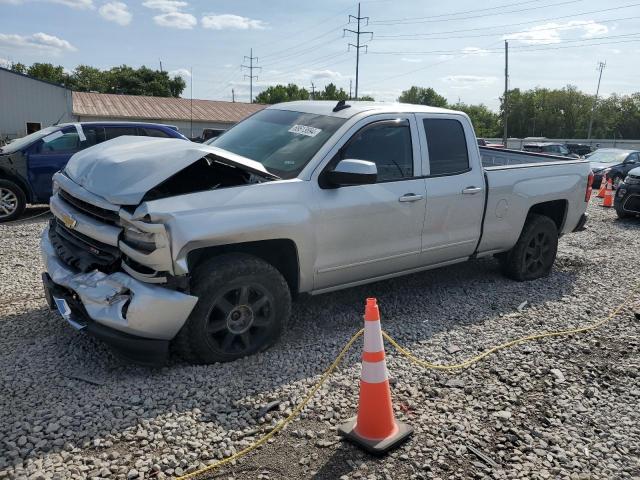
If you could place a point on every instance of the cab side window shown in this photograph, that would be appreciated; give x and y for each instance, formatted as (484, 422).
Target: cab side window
(388, 145)
(447, 146)
(152, 132)
(68, 141)
(115, 132)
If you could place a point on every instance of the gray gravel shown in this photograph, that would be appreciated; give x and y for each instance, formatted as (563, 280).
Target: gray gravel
(560, 408)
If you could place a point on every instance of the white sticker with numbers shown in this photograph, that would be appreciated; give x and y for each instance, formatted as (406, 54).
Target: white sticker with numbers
(304, 130)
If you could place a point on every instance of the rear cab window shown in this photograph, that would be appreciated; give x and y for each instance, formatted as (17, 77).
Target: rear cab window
(447, 146)
(152, 132)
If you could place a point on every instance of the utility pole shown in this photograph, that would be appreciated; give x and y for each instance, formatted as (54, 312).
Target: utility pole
(350, 86)
(233, 95)
(160, 65)
(358, 45)
(313, 91)
(191, 92)
(601, 66)
(251, 76)
(506, 92)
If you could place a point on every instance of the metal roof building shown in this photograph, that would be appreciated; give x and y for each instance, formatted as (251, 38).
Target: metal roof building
(28, 104)
(175, 111)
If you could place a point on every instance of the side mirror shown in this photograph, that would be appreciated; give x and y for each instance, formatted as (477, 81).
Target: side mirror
(351, 172)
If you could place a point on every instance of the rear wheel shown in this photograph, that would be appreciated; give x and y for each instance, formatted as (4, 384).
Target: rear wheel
(13, 201)
(535, 251)
(243, 307)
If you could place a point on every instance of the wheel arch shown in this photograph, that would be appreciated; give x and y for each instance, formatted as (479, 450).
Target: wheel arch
(282, 253)
(4, 175)
(556, 210)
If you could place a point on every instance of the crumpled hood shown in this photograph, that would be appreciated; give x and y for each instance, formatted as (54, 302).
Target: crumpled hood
(122, 170)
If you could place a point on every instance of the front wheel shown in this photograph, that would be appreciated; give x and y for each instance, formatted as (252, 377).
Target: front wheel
(12, 201)
(535, 251)
(243, 306)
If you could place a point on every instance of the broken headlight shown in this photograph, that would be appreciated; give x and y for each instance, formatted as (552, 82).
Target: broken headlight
(135, 238)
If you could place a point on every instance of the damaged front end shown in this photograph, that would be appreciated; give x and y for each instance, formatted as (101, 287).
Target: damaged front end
(109, 269)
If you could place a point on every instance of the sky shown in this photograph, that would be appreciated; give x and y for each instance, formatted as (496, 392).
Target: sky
(455, 47)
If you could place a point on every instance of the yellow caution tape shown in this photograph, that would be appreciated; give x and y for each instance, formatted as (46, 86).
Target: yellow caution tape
(412, 358)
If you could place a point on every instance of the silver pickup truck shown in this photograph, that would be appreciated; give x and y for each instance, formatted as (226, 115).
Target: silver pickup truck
(160, 241)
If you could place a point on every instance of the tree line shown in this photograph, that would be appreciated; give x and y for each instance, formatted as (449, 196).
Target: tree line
(122, 79)
(291, 92)
(545, 112)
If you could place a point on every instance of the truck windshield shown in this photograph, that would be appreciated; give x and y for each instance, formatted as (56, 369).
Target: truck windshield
(604, 156)
(20, 143)
(283, 141)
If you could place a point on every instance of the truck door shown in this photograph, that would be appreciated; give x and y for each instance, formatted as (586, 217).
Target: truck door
(455, 188)
(367, 231)
(52, 153)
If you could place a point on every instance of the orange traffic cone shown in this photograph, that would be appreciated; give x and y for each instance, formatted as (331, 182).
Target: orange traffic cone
(603, 187)
(375, 428)
(608, 195)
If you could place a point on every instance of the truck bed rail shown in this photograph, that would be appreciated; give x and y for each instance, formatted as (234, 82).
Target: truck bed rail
(504, 157)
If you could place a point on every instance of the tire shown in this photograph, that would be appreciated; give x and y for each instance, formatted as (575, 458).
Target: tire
(13, 200)
(535, 251)
(621, 214)
(223, 325)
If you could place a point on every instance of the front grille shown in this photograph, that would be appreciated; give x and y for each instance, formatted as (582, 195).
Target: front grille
(81, 252)
(102, 214)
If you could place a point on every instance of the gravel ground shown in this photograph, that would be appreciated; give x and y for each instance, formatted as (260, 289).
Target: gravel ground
(559, 408)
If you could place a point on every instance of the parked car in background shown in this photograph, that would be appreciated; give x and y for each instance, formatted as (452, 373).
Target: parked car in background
(580, 149)
(627, 199)
(549, 148)
(208, 135)
(27, 164)
(615, 163)
(302, 197)
(483, 143)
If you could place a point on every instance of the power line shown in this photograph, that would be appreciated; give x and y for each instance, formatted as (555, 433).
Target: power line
(521, 47)
(430, 20)
(573, 15)
(358, 46)
(484, 9)
(562, 28)
(251, 76)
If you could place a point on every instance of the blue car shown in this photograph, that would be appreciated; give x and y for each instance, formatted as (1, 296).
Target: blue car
(28, 163)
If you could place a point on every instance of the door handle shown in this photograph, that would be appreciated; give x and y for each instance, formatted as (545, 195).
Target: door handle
(471, 190)
(410, 197)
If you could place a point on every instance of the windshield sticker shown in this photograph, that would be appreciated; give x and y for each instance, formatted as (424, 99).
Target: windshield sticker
(53, 136)
(304, 130)
(80, 132)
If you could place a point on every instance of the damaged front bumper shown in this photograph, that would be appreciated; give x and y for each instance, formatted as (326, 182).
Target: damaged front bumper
(117, 307)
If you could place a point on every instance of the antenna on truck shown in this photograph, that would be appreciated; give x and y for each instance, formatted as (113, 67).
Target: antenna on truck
(341, 105)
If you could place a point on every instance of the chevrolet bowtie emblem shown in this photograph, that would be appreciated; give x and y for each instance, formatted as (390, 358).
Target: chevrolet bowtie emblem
(69, 221)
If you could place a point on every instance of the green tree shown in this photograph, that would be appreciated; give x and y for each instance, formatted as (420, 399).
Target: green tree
(486, 123)
(423, 96)
(366, 98)
(18, 67)
(332, 92)
(48, 72)
(282, 93)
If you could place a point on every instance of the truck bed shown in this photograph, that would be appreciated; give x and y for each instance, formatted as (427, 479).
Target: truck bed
(516, 180)
(499, 157)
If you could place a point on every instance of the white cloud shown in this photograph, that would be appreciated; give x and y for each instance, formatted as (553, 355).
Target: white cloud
(183, 21)
(117, 12)
(231, 22)
(411, 60)
(475, 51)
(180, 72)
(79, 4)
(4, 63)
(467, 81)
(166, 6)
(321, 74)
(552, 32)
(37, 41)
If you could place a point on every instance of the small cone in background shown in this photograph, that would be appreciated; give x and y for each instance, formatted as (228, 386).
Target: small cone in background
(608, 195)
(375, 428)
(603, 187)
